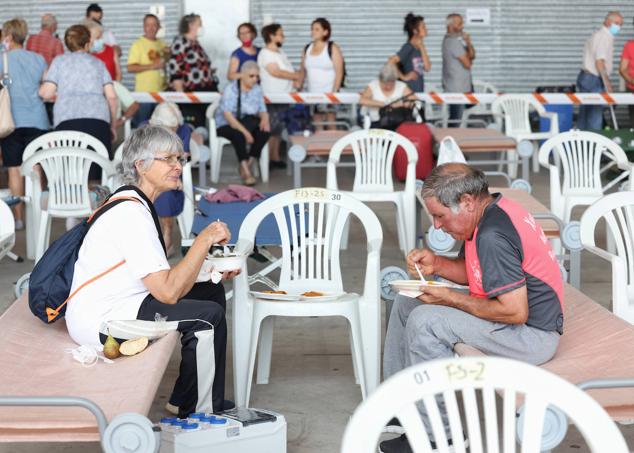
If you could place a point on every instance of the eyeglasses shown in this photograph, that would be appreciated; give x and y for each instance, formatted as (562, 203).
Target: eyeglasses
(173, 160)
(252, 76)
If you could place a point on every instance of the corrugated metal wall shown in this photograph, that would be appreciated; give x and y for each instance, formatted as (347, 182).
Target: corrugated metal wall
(528, 43)
(124, 18)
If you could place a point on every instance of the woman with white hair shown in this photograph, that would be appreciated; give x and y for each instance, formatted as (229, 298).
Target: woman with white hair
(385, 90)
(242, 118)
(125, 248)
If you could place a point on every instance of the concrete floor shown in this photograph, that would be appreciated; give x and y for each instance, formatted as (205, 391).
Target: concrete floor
(311, 380)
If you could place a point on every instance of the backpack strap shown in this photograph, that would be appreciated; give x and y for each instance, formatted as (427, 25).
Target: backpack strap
(330, 43)
(52, 313)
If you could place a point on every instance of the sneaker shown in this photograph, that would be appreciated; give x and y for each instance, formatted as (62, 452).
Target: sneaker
(169, 407)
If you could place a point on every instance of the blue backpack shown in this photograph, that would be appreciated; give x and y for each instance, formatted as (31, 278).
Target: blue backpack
(52, 276)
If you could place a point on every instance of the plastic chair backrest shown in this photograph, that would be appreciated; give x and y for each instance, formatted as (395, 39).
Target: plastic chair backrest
(66, 171)
(434, 112)
(578, 155)
(618, 211)
(448, 378)
(65, 139)
(515, 110)
(373, 151)
(311, 221)
(449, 151)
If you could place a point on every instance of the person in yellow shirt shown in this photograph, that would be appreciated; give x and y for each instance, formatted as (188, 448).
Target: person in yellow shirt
(146, 60)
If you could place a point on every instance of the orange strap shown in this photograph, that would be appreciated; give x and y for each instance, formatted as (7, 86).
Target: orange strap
(54, 313)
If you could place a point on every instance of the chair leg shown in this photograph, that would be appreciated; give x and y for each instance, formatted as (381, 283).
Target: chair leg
(535, 158)
(43, 234)
(264, 163)
(255, 332)
(357, 351)
(265, 350)
(214, 164)
(31, 231)
(202, 175)
(355, 365)
(401, 228)
(512, 166)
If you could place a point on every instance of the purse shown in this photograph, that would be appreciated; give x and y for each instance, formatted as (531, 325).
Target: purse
(7, 125)
(392, 117)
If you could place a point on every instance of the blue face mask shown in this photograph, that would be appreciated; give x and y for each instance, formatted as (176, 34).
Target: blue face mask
(614, 29)
(97, 45)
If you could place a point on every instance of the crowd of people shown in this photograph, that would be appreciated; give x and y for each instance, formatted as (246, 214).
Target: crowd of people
(522, 281)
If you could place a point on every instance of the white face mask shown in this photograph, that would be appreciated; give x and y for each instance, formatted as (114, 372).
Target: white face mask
(201, 32)
(160, 34)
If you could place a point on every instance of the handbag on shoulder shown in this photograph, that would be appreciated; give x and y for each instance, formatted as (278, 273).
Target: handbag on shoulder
(7, 125)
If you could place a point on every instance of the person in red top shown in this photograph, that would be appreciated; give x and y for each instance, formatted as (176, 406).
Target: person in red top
(102, 51)
(626, 69)
(45, 42)
(514, 306)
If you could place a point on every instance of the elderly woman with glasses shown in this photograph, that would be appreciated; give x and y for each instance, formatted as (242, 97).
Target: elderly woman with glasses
(125, 248)
(243, 120)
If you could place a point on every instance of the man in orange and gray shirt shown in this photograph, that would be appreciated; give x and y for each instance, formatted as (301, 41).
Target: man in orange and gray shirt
(45, 42)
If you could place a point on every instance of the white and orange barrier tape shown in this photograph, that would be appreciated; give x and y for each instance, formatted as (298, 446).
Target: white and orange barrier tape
(433, 98)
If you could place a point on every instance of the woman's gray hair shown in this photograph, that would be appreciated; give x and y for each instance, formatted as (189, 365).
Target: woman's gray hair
(142, 145)
(249, 66)
(449, 182)
(388, 73)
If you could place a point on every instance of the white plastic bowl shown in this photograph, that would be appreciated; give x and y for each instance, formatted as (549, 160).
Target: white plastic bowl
(227, 263)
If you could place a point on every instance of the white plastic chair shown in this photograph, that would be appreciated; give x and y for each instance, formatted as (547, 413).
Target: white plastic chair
(7, 229)
(55, 139)
(435, 113)
(577, 155)
(617, 209)
(540, 389)
(186, 218)
(310, 221)
(373, 154)
(66, 170)
(217, 145)
(514, 110)
(479, 86)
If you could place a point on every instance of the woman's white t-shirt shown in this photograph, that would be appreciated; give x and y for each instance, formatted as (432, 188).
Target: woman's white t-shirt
(126, 232)
(378, 95)
(320, 71)
(269, 83)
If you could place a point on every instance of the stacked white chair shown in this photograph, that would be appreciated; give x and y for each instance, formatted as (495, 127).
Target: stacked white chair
(545, 397)
(217, 145)
(373, 151)
(617, 209)
(33, 189)
(514, 110)
(574, 160)
(186, 218)
(436, 114)
(310, 221)
(66, 171)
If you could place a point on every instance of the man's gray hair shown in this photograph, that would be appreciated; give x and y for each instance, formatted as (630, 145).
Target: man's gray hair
(451, 18)
(613, 15)
(141, 146)
(388, 73)
(48, 21)
(249, 66)
(449, 182)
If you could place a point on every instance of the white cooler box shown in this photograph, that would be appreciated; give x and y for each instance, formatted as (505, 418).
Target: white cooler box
(235, 431)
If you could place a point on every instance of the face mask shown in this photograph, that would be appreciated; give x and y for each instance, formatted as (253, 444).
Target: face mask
(614, 29)
(201, 32)
(97, 45)
(247, 43)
